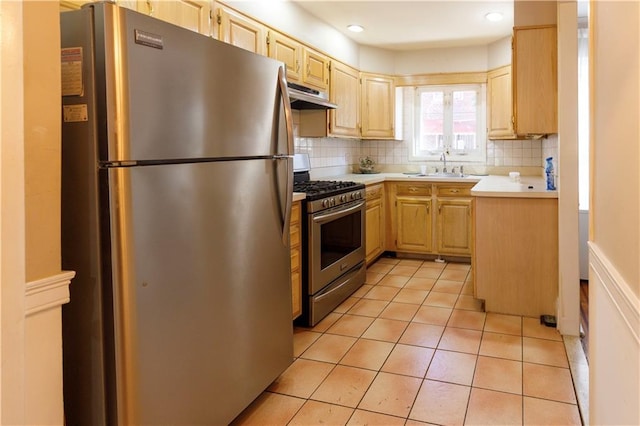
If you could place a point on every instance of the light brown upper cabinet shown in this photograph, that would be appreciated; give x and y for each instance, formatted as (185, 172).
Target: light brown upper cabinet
(378, 106)
(535, 81)
(500, 104)
(194, 15)
(67, 5)
(241, 31)
(344, 91)
(305, 66)
(315, 73)
(287, 50)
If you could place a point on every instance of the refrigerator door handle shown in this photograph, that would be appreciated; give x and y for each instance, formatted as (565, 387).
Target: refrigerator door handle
(282, 82)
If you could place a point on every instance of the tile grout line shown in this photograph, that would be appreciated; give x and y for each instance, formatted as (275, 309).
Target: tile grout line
(435, 349)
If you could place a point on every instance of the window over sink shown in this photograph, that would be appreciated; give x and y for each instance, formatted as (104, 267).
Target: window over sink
(448, 119)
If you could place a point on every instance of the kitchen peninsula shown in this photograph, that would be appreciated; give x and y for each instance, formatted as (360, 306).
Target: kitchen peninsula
(516, 246)
(511, 229)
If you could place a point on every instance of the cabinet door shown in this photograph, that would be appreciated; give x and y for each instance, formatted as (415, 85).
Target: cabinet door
(296, 280)
(66, 5)
(373, 245)
(316, 70)
(194, 15)
(500, 103)
(375, 224)
(413, 219)
(535, 86)
(241, 31)
(454, 226)
(286, 50)
(378, 98)
(345, 92)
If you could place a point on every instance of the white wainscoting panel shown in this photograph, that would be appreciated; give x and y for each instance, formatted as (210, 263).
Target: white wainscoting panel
(43, 349)
(614, 345)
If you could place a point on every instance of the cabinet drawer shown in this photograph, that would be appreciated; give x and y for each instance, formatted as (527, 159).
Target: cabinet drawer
(373, 192)
(294, 232)
(295, 213)
(413, 189)
(454, 191)
(295, 258)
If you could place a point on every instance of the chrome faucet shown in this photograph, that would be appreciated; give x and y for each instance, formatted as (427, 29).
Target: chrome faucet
(443, 158)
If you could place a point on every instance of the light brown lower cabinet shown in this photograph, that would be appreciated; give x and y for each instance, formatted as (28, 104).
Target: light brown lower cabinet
(516, 255)
(296, 273)
(375, 223)
(413, 215)
(430, 218)
(454, 220)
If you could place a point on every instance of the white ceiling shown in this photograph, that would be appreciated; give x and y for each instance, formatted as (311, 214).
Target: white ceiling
(418, 24)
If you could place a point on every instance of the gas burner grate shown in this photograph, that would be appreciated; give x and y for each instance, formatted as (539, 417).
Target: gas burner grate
(315, 189)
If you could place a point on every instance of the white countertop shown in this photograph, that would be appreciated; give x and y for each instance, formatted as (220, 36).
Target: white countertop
(502, 186)
(369, 179)
(298, 196)
(485, 186)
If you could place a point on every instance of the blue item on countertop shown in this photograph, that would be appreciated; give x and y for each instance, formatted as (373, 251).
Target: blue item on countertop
(550, 177)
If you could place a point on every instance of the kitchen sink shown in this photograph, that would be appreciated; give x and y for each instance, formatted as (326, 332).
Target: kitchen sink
(444, 174)
(436, 175)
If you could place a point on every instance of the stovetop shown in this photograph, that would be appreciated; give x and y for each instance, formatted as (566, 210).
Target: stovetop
(317, 189)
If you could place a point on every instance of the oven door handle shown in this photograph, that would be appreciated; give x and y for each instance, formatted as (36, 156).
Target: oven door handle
(336, 288)
(324, 218)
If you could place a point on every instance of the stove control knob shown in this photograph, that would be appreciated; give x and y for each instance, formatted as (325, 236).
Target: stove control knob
(333, 202)
(353, 195)
(325, 203)
(343, 198)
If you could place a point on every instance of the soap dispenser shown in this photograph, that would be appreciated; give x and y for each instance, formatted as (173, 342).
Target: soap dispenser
(550, 177)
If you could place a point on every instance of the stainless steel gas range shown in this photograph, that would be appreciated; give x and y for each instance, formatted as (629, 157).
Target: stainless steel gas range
(333, 241)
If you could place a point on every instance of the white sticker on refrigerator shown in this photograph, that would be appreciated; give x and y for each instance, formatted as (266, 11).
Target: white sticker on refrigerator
(71, 71)
(74, 113)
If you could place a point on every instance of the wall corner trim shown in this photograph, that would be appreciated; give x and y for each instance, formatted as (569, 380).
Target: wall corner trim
(47, 293)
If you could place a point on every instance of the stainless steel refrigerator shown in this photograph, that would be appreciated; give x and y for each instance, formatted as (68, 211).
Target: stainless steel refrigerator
(176, 193)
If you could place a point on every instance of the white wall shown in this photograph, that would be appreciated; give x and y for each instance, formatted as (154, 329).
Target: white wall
(12, 215)
(444, 60)
(499, 53)
(376, 60)
(297, 22)
(614, 281)
(567, 160)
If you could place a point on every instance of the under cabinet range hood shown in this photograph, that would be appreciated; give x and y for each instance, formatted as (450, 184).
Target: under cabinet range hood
(305, 98)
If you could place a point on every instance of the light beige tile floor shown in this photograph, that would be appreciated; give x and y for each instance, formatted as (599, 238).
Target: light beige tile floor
(413, 347)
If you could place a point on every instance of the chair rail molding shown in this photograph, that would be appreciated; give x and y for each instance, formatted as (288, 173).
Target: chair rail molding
(47, 293)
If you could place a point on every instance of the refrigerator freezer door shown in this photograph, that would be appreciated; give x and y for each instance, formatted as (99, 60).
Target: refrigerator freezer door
(202, 292)
(184, 95)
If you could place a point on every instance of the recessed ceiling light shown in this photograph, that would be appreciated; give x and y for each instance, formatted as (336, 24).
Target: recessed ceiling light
(493, 16)
(355, 28)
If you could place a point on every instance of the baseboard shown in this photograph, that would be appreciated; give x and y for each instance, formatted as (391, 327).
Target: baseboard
(47, 293)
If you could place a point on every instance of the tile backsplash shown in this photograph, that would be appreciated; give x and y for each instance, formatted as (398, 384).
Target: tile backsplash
(393, 156)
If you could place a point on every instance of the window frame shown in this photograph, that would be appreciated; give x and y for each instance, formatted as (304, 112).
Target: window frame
(479, 155)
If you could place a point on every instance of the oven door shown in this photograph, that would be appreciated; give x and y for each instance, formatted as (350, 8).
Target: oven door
(336, 243)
